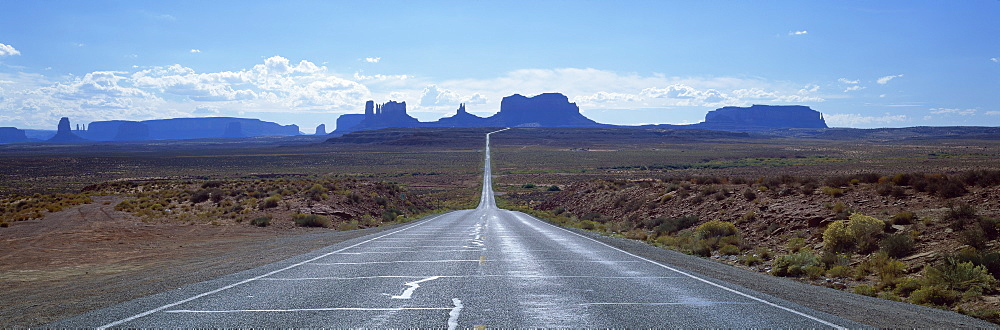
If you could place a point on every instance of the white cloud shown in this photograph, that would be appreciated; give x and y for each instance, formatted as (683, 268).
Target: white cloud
(995, 59)
(433, 96)
(886, 79)
(993, 113)
(853, 88)
(859, 120)
(798, 33)
(476, 99)
(605, 97)
(846, 81)
(8, 50)
(676, 91)
(195, 50)
(961, 112)
(276, 85)
(373, 59)
(380, 77)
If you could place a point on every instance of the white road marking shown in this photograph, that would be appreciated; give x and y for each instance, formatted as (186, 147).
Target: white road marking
(453, 314)
(518, 215)
(413, 287)
(471, 249)
(463, 276)
(308, 309)
(465, 260)
(695, 303)
(154, 310)
(389, 262)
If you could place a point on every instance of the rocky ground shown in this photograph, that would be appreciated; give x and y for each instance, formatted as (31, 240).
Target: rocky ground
(91, 256)
(781, 219)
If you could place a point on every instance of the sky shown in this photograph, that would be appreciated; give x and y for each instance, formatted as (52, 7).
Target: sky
(862, 64)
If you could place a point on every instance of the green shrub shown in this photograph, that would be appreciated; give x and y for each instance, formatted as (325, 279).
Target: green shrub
(990, 260)
(749, 195)
(906, 286)
(839, 271)
(794, 244)
(673, 225)
(528, 186)
(553, 188)
(860, 233)
(317, 192)
(959, 276)
(270, 202)
(903, 218)
(837, 237)
(974, 237)
(864, 289)
(729, 250)
(199, 196)
(889, 295)
(898, 245)
(888, 273)
(960, 215)
(716, 228)
(347, 225)
(833, 192)
(390, 215)
(795, 264)
(934, 296)
(814, 271)
(261, 221)
(701, 248)
(751, 259)
(310, 220)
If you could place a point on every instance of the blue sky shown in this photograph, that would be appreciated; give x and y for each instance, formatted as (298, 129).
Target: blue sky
(861, 63)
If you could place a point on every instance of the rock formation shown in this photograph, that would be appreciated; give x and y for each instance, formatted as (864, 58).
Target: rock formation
(12, 135)
(185, 128)
(64, 134)
(389, 114)
(321, 129)
(461, 119)
(543, 110)
(347, 122)
(764, 116)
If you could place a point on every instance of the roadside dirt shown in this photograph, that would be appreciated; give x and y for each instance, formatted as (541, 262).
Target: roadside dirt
(90, 256)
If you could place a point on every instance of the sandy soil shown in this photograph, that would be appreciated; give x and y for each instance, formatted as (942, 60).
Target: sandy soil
(91, 256)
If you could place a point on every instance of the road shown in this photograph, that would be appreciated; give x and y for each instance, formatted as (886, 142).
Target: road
(482, 267)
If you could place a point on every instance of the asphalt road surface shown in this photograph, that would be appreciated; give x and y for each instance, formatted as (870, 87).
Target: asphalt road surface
(465, 269)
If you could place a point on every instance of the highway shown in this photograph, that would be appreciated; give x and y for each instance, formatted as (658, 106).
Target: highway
(485, 267)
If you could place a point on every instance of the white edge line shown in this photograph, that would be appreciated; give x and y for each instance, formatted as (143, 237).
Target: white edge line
(310, 310)
(692, 276)
(151, 311)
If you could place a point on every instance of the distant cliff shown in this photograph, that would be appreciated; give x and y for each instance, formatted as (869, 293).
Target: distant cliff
(765, 116)
(544, 110)
(12, 135)
(184, 128)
